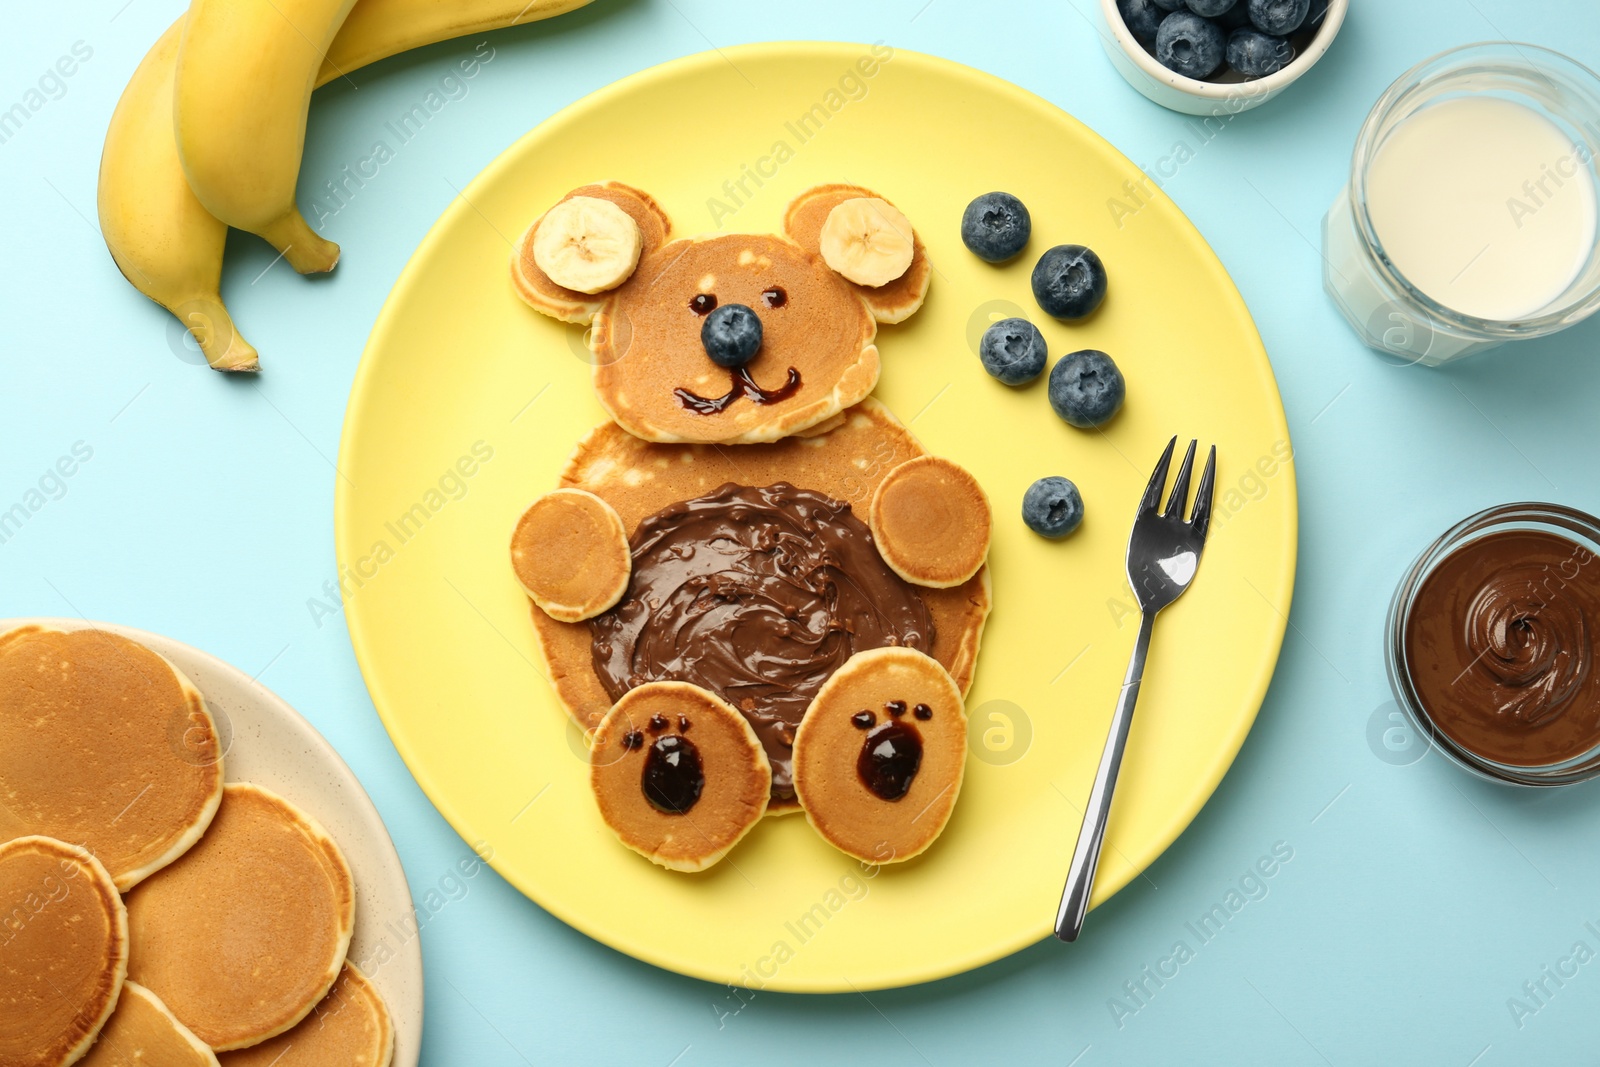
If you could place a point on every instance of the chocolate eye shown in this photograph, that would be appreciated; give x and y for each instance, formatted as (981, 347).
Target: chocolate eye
(774, 297)
(863, 719)
(632, 739)
(923, 712)
(658, 723)
(895, 708)
(683, 724)
(703, 303)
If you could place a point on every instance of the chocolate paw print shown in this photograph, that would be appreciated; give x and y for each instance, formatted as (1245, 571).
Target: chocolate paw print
(892, 752)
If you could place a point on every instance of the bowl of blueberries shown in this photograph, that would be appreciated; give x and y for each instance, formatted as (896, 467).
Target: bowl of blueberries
(1217, 57)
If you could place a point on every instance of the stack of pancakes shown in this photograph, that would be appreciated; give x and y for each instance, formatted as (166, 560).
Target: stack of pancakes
(149, 913)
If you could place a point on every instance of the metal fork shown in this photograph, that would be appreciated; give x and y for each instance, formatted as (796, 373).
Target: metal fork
(1163, 552)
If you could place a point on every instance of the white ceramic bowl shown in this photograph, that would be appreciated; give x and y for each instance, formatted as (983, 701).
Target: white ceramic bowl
(1172, 90)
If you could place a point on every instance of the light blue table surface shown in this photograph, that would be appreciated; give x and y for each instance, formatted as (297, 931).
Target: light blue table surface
(1417, 902)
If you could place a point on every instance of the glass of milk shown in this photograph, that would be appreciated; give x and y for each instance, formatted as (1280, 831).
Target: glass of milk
(1469, 219)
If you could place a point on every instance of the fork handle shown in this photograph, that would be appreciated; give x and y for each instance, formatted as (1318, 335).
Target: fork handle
(1086, 857)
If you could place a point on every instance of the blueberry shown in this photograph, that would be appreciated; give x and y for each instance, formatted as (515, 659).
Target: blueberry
(995, 226)
(1208, 9)
(1168, 6)
(1013, 350)
(1278, 17)
(731, 335)
(1052, 507)
(1141, 17)
(1086, 388)
(1188, 44)
(1255, 54)
(1069, 281)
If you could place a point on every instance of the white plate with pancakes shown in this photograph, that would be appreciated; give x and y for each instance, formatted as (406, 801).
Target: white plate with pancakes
(265, 742)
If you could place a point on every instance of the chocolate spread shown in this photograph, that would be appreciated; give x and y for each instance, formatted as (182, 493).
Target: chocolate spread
(758, 595)
(1500, 646)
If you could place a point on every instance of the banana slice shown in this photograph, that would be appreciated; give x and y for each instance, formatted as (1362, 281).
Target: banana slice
(867, 240)
(587, 244)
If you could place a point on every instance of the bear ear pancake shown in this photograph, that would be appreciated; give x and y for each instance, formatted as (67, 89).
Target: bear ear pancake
(535, 287)
(894, 302)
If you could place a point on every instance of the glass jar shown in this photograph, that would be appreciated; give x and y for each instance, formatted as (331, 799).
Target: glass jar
(1583, 530)
(1385, 308)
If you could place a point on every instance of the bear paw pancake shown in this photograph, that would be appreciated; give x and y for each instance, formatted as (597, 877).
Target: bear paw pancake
(931, 521)
(105, 743)
(878, 759)
(247, 932)
(143, 1033)
(679, 775)
(63, 951)
(350, 1028)
(570, 553)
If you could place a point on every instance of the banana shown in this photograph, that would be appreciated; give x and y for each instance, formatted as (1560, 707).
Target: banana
(587, 244)
(867, 240)
(163, 240)
(377, 29)
(246, 69)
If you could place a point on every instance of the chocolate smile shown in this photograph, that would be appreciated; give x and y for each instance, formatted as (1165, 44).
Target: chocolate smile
(741, 385)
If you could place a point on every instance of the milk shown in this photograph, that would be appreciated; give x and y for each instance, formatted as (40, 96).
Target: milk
(1483, 204)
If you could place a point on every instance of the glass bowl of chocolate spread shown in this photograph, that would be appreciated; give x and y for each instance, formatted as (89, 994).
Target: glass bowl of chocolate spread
(1492, 640)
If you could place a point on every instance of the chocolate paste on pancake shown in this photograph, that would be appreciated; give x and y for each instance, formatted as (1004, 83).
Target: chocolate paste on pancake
(1500, 646)
(758, 595)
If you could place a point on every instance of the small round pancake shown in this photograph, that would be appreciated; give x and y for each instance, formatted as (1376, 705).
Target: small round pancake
(570, 553)
(931, 520)
(349, 1028)
(679, 775)
(544, 295)
(63, 951)
(105, 743)
(897, 301)
(143, 1033)
(879, 757)
(246, 933)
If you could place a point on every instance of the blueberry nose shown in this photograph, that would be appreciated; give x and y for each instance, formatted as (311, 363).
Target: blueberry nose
(731, 335)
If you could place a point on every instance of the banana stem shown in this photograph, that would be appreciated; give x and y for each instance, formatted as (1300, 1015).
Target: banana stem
(212, 327)
(307, 251)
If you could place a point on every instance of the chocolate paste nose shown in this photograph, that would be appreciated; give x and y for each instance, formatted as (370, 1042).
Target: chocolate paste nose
(731, 335)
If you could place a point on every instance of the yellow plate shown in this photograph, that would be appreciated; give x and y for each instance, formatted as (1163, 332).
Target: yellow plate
(467, 403)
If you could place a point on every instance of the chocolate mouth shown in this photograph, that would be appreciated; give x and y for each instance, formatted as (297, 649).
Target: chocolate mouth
(741, 385)
(757, 595)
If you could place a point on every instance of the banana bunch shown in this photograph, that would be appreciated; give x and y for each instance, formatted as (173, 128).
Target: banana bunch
(210, 130)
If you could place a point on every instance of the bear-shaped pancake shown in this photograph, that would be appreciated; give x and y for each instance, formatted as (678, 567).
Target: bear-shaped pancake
(750, 574)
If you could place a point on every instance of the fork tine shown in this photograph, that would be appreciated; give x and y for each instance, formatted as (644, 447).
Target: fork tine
(1180, 485)
(1201, 519)
(1158, 480)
